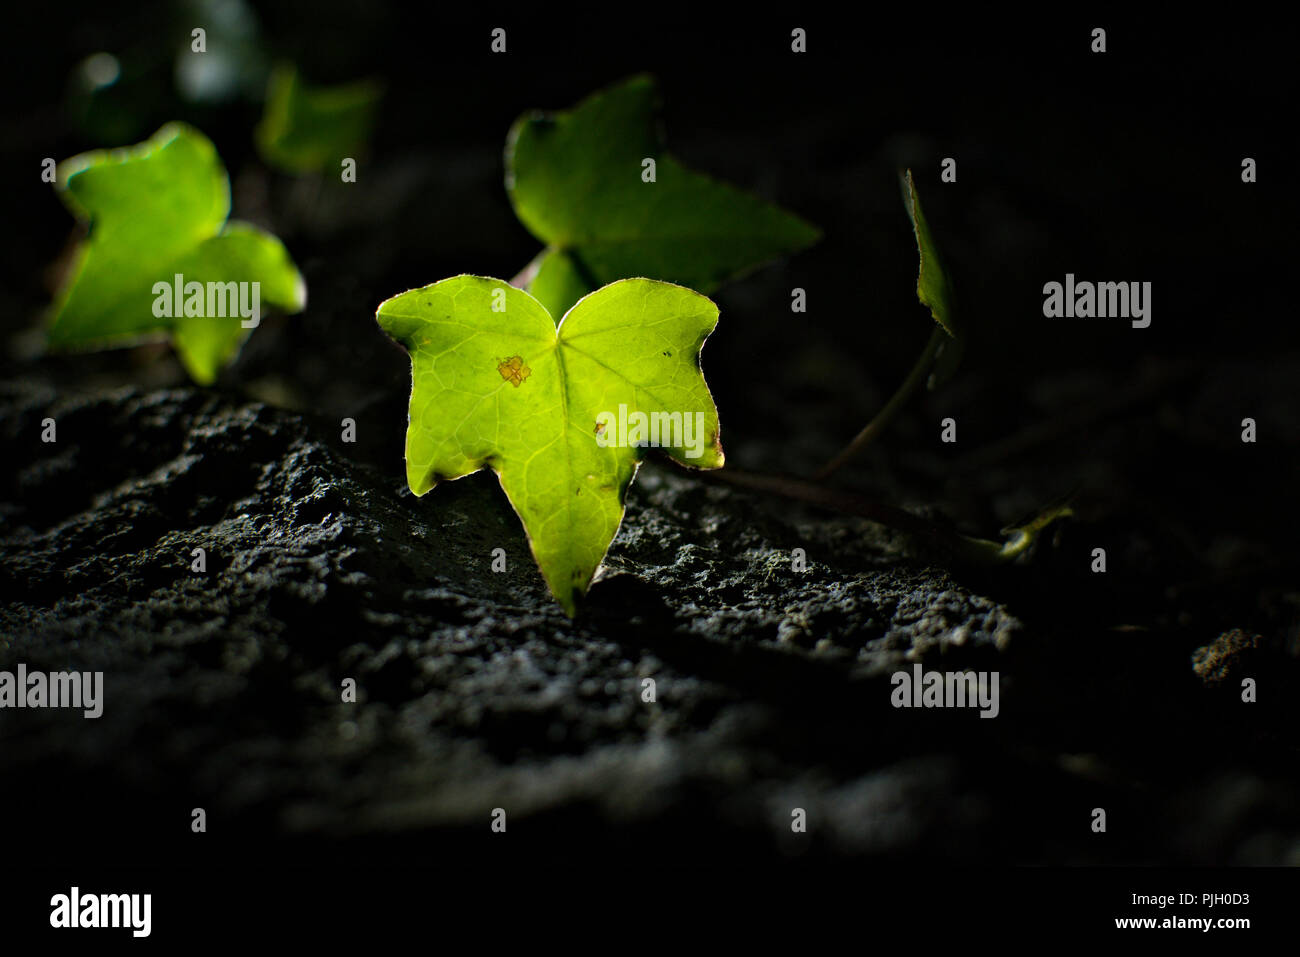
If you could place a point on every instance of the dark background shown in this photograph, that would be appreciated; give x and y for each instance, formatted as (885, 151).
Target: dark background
(1123, 166)
(1107, 166)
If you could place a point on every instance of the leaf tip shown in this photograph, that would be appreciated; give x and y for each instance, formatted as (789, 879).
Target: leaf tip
(298, 301)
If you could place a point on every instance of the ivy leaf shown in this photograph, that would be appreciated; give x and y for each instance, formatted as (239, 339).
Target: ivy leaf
(157, 210)
(306, 129)
(933, 288)
(497, 384)
(575, 179)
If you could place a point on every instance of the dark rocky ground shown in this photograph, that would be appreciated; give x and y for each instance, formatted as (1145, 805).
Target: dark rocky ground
(476, 692)
(1117, 690)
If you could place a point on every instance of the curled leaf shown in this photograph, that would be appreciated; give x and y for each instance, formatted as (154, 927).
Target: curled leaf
(933, 287)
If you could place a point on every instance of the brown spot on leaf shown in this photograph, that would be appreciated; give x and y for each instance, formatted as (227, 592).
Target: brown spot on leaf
(514, 371)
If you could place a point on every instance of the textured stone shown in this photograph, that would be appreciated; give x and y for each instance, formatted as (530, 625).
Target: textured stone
(475, 691)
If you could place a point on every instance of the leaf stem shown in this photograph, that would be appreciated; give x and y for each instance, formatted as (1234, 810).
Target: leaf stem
(877, 425)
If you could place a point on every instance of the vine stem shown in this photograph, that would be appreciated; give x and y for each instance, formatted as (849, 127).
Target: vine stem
(975, 550)
(877, 425)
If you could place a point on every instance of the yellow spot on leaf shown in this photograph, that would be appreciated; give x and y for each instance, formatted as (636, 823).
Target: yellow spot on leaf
(514, 371)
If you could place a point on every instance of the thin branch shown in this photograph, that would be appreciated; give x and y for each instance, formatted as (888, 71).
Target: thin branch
(965, 548)
(877, 425)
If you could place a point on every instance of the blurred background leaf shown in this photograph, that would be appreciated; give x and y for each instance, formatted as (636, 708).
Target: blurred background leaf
(576, 179)
(308, 129)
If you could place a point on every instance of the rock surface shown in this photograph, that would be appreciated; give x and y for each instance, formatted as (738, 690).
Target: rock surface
(475, 692)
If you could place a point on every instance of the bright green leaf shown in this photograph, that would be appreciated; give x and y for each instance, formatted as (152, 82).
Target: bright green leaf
(157, 210)
(496, 384)
(932, 285)
(576, 181)
(307, 129)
